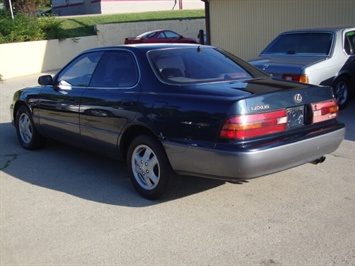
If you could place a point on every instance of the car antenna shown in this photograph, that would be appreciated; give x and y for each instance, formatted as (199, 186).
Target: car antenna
(199, 50)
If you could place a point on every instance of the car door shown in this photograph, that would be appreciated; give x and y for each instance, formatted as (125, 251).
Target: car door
(110, 101)
(59, 104)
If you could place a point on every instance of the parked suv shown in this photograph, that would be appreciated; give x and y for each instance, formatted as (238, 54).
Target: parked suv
(323, 56)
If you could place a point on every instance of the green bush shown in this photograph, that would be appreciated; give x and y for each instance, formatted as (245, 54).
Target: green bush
(24, 28)
(51, 27)
(21, 29)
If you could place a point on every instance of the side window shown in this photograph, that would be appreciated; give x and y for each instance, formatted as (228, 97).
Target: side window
(161, 35)
(349, 42)
(116, 69)
(172, 35)
(79, 71)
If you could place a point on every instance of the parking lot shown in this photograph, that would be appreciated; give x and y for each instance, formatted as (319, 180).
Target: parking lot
(61, 205)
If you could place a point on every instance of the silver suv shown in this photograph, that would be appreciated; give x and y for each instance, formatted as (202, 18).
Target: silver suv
(318, 56)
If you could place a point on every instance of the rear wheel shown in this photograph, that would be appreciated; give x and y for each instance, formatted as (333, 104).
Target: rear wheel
(149, 168)
(341, 91)
(27, 134)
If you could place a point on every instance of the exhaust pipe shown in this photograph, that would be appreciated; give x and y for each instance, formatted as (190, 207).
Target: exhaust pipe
(319, 160)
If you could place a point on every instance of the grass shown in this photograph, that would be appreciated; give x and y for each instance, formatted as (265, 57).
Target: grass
(84, 25)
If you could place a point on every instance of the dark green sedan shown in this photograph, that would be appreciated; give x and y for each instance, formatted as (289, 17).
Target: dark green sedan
(179, 109)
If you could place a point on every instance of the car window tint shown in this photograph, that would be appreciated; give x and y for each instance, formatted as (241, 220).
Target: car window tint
(149, 34)
(79, 71)
(195, 65)
(349, 42)
(172, 35)
(301, 43)
(115, 69)
(161, 35)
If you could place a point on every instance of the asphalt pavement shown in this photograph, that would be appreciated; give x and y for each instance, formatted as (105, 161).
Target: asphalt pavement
(61, 205)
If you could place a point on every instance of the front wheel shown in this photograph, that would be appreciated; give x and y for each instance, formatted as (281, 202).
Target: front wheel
(149, 168)
(27, 134)
(341, 91)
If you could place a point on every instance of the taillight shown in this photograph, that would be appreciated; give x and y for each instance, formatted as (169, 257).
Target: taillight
(324, 110)
(248, 126)
(293, 77)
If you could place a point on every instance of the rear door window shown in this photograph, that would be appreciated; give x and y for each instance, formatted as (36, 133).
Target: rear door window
(116, 69)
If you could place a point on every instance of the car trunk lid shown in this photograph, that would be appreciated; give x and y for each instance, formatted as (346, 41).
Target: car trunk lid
(280, 64)
(273, 95)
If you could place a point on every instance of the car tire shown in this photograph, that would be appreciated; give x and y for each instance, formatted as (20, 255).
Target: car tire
(27, 134)
(341, 91)
(149, 168)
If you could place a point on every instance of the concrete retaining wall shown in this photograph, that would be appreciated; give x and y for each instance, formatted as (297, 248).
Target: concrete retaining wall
(19, 59)
(25, 58)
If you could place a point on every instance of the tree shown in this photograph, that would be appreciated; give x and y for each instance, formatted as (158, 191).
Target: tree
(28, 7)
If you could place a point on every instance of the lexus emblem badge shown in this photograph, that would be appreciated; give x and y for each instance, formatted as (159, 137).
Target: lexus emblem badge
(298, 98)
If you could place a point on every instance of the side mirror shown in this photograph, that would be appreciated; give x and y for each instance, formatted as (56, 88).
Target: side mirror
(45, 80)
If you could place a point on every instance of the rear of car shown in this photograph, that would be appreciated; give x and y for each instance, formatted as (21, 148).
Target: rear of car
(314, 56)
(255, 125)
(301, 56)
(262, 134)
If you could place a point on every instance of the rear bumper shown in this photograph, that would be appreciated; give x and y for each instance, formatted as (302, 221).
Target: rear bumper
(244, 164)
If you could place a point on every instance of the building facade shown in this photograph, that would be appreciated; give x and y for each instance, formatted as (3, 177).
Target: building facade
(245, 27)
(82, 7)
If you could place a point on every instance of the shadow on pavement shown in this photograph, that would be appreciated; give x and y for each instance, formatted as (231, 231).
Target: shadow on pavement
(82, 174)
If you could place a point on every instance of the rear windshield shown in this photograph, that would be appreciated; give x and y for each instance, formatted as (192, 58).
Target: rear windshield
(198, 64)
(301, 43)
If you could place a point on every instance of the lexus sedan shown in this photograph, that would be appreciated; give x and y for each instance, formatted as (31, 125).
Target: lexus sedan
(160, 36)
(176, 109)
(324, 56)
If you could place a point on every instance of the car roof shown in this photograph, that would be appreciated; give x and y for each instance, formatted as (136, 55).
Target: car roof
(322, 29)
(145, 46)
(151, 31)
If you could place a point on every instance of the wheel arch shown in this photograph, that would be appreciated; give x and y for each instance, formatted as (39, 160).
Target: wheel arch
(17, 105)
(342, 96)
(345, 75)
(129, 134)
(331, 81)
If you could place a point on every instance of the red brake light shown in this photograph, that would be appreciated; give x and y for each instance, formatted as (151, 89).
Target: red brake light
(248, 126)
(323, 111)
(293, 77)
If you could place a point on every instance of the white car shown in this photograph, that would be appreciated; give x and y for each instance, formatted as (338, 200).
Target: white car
(324, 56)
